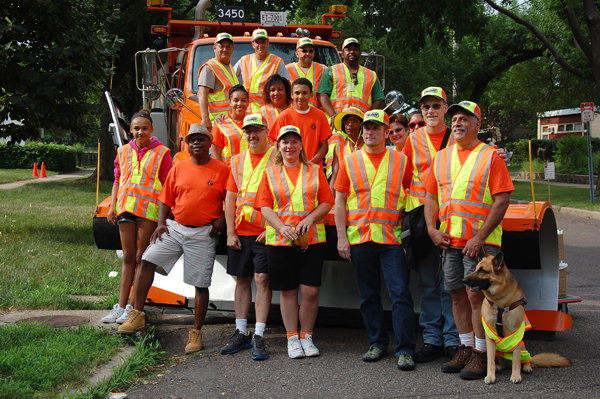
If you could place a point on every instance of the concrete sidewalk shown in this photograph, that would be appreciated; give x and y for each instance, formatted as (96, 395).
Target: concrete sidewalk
(75, 173)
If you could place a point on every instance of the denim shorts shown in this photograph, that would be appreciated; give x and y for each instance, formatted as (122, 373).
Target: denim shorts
(457, 266)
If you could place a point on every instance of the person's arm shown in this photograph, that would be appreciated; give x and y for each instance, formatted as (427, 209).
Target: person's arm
(317, 214)
(233, 240)
(431, 213)
(215, 152)
(321, 152)
(218, 225)
(163, 212)
(112, 211)
(203, 102)
(335, 167)
(326, 104)
(274, 221)
(378, 104)
(499, 207)
(343, 245)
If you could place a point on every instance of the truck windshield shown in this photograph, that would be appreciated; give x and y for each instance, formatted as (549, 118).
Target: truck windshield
(327, 55)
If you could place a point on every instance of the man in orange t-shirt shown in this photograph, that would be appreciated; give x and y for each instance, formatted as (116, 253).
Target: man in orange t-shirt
(194, 192)
(312, 122)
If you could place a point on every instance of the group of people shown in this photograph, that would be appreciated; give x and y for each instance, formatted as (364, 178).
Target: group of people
(278, 158)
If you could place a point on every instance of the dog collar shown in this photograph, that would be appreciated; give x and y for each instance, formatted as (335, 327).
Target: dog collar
(515, 304)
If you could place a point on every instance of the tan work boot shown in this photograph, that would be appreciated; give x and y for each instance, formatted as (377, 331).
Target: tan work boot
(476, 367)
(459, 360)
(135, 321)
(195, 342)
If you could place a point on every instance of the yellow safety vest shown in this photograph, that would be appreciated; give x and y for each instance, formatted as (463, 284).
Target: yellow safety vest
(218, 102)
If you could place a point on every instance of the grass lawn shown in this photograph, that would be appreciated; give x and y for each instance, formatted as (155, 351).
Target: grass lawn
(572, 197)
(47, 249)
(12, 175)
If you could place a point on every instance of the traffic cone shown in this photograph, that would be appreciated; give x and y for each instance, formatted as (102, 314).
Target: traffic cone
(35, 172)
(43, 171)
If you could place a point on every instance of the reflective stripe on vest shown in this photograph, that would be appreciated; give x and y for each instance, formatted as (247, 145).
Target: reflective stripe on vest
(247, 181)
(336, 140)
(235, 142)
(293, 202)
(270, 113)
(139, 185)
(218, 102)
(255, 76)
(463, 192)
(423, 153)
(361, 97)
(505, 346)
(313, 74)
(376, 198)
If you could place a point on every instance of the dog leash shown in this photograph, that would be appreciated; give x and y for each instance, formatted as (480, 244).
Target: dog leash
(515, 304)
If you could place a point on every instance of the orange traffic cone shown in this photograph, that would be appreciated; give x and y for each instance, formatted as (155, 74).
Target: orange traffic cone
(43, 171)
(35, 172)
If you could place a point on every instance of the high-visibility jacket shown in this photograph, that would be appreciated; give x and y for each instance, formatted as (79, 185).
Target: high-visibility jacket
(235, 142)
(376, 198)
(464, 193)
(292, 202)
(423, 153)
(506, 345)
(336, 140)
(343, 97)
(218, 102)
(313, 74)
(255, 76)
(247, 180)
(139, 185)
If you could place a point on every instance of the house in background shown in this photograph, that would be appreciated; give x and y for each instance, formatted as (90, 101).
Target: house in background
(562, 122)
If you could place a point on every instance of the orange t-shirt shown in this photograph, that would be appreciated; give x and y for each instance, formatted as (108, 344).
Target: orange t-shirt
(314, 128)
(245, 228)
(342, 182)
(195, 192)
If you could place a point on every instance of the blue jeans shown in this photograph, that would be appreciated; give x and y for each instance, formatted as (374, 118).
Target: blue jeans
(369, 260)
(436, 316)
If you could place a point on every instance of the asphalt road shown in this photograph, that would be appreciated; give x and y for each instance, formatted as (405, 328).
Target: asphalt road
(340, 373)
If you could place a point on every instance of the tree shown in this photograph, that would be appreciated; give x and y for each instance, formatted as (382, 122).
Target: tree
(56, 56)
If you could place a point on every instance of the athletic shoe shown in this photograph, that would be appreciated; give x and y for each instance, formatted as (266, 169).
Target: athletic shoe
(237, 342)
(123, 318)
(374, 354)
(451, 351)
(459, 360)
(194, 342)
(114, 314)
(308, 347)
(259, 352)
(429, 353)
(406, 362)
(476, 367)
(136, 321)
(295, 348)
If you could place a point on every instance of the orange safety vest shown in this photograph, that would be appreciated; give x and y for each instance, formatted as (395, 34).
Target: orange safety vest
(313, 74)
(376, 198)
(361, 97)
(464, 194)
(218, 102)
(336, 140)
(423, 153)
(235, 142)
(293, 202)
(247, 181)
(270, 113)
(255, 76)
(139, 185)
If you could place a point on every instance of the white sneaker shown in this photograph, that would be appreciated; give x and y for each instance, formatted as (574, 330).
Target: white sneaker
(123, 318)
(294, 348)
(114, 314)
(309, 348)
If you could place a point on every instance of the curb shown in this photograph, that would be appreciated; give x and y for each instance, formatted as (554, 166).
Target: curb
(563, 210)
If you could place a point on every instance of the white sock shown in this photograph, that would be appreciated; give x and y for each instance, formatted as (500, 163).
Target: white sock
(467, 339)
(480, 344)
(259, 329)
(242, 325)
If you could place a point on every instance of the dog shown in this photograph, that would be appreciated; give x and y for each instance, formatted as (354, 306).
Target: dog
(503, 295)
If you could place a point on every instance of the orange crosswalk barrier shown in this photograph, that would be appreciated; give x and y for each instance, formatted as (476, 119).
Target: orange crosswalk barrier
(43, 171)
(35, 172)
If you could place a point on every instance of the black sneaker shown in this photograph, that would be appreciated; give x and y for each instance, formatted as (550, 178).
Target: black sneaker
(259, 352)
(237, 342)
(451, 351)
(428, 353)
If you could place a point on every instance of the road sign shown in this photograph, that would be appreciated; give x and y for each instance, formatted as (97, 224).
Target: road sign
(587, 112)
(230, 14)
(549, 171)
(273, 18)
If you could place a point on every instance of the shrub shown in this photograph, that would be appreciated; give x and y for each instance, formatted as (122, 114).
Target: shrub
(56, 157)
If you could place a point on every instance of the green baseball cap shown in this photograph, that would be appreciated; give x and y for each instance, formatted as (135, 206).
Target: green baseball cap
(288, 129)
(377, 116)
(436, 92)
(468, 106)
(259, 34)
(305, 41)
(255, 120)
(223, 36)
(349, 41)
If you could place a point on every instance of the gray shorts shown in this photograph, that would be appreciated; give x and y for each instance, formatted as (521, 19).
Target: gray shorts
(457, 266)
(196, 246)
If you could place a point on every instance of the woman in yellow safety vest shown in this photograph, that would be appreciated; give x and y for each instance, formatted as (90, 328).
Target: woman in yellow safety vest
(293, 197)
(228, 136)
(141, 167)
(277, 97)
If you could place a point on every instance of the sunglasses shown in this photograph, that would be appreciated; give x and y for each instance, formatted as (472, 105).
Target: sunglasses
(197, 138)
(436, 107)
(413, 125)
(309, 51)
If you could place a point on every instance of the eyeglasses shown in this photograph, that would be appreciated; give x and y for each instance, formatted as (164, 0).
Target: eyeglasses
(436, 107)
(309, 51)
(225, 47)
(197, 138)
(413, 125)
(351, 122)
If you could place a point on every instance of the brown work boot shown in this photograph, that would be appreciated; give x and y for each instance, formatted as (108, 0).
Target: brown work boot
(195, 342)
(459, 360)
(476, 367)
(135, 321)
